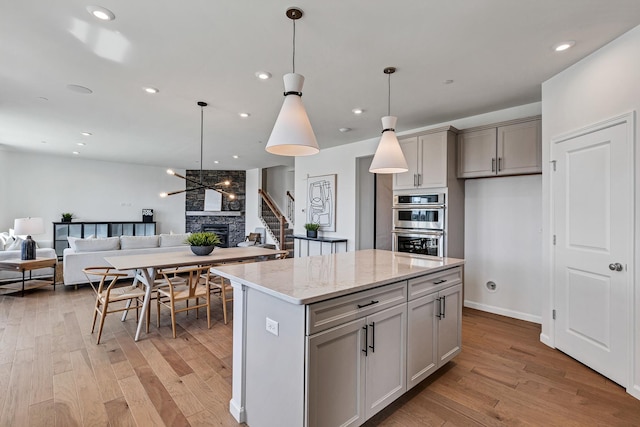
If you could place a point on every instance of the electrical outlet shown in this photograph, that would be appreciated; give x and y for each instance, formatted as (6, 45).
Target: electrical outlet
(272, 326)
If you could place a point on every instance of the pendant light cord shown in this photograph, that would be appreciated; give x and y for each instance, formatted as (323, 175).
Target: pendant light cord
(294, 46)
(201, 139)
(389, 98)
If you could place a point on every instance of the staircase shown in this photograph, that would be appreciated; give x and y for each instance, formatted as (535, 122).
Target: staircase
(276, 223)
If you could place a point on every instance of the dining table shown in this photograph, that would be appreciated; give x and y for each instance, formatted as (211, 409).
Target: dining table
(148, 265)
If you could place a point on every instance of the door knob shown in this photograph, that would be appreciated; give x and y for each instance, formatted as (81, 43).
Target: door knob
(615, 267)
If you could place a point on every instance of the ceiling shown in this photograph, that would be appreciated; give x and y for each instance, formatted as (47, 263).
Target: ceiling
(497, 52)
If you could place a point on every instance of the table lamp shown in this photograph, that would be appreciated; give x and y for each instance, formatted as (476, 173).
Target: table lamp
(28, 226)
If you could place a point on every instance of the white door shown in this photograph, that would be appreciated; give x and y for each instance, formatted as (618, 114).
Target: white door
(591, 193)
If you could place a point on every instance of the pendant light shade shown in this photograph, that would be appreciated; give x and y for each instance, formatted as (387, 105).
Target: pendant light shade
(389, 157)
(292, 134)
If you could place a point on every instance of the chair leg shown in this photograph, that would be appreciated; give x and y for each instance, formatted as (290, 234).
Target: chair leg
(124, 313)
(197, 308)
(102, 317)
(173, 318)
(223, 294)
(95, 314)
(209, 309)
(158, 310)
(148, 316)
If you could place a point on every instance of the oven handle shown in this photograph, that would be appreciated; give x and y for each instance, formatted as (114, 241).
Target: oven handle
(419, 207)
(417, 232)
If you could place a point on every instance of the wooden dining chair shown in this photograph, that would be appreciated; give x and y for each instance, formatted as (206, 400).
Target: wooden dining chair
(196, 287)
(103, 281)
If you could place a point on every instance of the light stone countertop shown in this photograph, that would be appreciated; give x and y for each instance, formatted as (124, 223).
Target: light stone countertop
(317, 278)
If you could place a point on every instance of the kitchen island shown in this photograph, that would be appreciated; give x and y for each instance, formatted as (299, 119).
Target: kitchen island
(333, 339)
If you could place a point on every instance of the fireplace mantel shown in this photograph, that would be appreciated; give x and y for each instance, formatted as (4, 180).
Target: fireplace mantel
(215, 213)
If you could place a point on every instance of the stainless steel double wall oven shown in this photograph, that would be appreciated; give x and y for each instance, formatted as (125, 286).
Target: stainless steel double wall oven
(418, 223)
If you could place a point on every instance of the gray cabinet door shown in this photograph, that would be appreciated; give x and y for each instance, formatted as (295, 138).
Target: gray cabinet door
(449, 324)
(386, 358)
(520, 148)
(477, 153)
(335, 376)
(422, 339)
(409, 179)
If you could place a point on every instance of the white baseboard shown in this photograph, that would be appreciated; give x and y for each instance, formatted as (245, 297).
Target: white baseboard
(504, 312)
(237, 412)
(634, 391)
(546, 340)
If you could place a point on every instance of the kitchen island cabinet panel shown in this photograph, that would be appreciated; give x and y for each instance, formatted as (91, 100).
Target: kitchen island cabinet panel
(342, 366)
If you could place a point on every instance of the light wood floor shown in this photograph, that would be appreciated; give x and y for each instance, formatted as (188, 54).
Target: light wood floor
(52, 373)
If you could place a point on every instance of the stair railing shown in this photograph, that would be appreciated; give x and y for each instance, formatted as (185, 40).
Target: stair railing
(291, 208)
(268, 202)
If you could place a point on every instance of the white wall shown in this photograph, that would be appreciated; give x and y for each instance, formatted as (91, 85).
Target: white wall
(45, 186)
(503, 241)
(280, 179)
(601, 86)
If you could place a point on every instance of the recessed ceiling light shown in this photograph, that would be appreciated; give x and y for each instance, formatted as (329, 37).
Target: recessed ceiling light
(42, 98)
(263, 75)
(216, 162)
(357, 111)
(80, 143)
(101, 13)
(79, 89)
(564, 46)
(447, 82)
(75, 152)
(44, 142)
(244, 115)
(150, 89)
(235, 156)
(86, 133)
(343, 130)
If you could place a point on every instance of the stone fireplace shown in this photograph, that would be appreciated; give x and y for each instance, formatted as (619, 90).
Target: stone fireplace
(231, 217)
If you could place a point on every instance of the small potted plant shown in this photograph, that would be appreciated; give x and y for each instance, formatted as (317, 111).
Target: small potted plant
(312, 229)
(67, 216)
(202, 243)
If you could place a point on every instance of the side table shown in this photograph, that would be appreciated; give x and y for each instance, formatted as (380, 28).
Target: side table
(23, 266)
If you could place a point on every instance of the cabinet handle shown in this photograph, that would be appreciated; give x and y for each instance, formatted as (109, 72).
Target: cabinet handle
(439, 281)
(439, 308)
(373, 337)
(499, 163)
(366, 339)
(493, 165)
(419, 179)
(414, 180)
(368, 304)
(443, 301)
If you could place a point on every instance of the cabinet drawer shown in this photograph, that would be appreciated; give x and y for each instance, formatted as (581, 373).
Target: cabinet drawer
(430, 283)
(327, 314)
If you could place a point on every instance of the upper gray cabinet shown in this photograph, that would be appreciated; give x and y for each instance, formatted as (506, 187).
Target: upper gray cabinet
(510, 148)
(431, 159)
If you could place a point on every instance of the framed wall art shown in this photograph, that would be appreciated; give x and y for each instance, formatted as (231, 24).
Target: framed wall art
(321, 201)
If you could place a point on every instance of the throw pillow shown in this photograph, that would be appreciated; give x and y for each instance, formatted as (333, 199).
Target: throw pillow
(167, 240)
(96, 245)
(138, 242)
(72, 242)
(16, 245)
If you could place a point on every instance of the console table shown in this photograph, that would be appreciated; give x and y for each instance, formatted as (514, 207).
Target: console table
(332, 241)
(101, 229)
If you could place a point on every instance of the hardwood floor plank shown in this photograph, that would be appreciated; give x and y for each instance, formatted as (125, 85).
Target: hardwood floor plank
(138, 402)
(160, 397)
(175, 361)
(89, 397)
(16, 406)
(179, 392)
(5, 377)
(42, 414)
(66, 405)
(42, 385)
(119, 413)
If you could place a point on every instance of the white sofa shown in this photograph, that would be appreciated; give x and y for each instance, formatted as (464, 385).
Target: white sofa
(7, 275)
(84, 253)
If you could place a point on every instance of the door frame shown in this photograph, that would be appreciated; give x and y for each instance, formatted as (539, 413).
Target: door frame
(633, 287)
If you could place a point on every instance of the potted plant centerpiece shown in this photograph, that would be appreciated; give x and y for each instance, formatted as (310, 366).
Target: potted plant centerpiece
(67, 216)
(312, 229)
(202, 243)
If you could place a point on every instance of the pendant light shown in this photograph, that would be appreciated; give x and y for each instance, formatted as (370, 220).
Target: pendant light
(200, 185)
(389, 157)
(292, 134)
